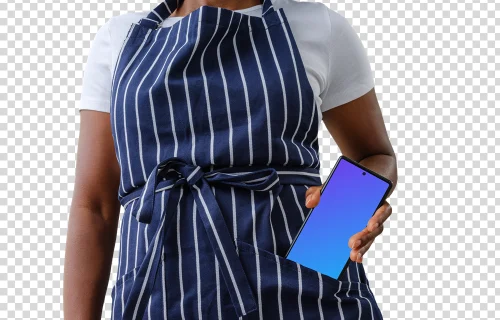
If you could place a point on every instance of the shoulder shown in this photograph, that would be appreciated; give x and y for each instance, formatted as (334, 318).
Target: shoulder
(314, 14)
(309, 21)
(127, 18)
(297, 5)
(110, 36)
(304, 12)
(119, 25)
(314, 21)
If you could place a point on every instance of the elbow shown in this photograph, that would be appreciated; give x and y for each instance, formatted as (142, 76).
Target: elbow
(102, 206)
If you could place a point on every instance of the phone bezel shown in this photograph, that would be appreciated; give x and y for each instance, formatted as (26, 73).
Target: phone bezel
(384, 197)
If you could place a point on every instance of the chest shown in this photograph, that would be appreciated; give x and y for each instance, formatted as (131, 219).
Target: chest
(310, 49)
(214, 88)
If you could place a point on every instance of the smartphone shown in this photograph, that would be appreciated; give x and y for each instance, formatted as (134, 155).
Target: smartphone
(349, 198)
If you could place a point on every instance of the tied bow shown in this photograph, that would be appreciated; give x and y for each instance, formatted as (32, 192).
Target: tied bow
(181, 173)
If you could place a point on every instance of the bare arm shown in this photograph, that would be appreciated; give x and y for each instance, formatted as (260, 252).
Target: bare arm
(358, 129)
(93, 219)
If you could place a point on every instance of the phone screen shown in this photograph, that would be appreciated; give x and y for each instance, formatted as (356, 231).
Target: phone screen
(348, 201)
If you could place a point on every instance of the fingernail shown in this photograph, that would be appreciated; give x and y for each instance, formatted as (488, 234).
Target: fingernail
(359, 256)
(308, 199)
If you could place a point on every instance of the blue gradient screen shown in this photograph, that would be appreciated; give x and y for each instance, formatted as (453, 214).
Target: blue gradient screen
(347, 203)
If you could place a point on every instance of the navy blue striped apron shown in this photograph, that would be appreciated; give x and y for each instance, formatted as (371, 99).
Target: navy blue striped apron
(215, 128)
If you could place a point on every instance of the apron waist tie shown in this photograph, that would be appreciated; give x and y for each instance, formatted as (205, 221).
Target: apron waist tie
(257, 178)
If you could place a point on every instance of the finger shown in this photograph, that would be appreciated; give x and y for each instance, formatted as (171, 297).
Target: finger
(357, 255)
(313, 195)
(313, 189)
(363, 237)
(370, 236)
(355, 240)
(380, 216)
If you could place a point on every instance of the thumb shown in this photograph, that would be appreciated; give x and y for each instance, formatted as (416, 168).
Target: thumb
(313, 195)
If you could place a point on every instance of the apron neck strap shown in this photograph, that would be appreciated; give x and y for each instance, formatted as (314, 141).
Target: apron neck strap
(162, 11)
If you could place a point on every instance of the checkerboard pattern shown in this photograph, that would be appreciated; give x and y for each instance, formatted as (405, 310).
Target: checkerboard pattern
(436, 72)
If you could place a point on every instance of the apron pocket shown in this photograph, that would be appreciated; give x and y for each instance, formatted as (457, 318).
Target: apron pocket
(278, 273)
(124, 284)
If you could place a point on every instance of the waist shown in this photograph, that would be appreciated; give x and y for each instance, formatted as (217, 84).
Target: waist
(286, 174)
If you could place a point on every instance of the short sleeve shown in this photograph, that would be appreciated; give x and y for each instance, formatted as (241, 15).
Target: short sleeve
(349, 73)
(96, 87)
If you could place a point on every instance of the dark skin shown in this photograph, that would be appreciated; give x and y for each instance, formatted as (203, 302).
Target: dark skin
(93, 220)
(357, 127)
(188, 6)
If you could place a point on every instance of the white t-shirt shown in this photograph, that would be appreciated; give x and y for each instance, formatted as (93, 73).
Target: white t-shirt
(335, 60)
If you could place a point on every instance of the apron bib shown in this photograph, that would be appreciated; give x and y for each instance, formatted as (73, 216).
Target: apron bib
(215, 129)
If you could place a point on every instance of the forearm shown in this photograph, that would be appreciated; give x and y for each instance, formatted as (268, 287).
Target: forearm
(385, 165)
(88, 257)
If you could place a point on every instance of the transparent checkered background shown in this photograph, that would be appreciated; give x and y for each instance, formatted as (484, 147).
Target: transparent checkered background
(435, 68)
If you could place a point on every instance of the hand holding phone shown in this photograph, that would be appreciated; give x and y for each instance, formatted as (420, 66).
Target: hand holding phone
(349, 198)
(361, 241)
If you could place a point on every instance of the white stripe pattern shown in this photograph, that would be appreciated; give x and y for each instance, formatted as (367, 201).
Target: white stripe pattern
(224, 78)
